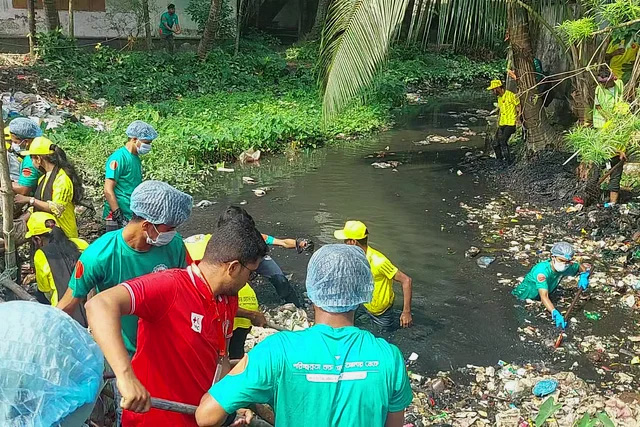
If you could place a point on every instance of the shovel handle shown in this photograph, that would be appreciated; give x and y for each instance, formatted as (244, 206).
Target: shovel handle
(168, 405)
(573, 303)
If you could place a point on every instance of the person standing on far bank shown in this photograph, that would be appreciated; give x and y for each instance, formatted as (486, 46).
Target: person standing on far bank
(169, 26)
(509, 110)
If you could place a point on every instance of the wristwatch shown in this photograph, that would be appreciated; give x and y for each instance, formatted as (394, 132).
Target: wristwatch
(32, 201)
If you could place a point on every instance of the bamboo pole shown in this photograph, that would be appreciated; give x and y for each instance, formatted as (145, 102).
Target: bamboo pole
(6, 192)
(31, 18)
(16, 289)
(71, 25)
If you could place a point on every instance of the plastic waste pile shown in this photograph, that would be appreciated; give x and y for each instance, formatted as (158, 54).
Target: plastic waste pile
(510, 395)
(41, 110)
(50, 367)
(286, 316)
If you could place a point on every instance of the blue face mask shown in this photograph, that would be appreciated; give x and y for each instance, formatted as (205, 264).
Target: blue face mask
(163, 239)
(144, 148)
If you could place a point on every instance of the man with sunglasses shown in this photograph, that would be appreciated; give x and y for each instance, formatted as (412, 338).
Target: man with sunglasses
(544, 278)
(186, 318)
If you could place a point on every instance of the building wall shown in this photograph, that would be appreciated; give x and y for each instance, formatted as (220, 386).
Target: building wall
(109, 24)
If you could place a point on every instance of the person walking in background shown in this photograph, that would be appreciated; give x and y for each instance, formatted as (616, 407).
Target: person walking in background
(509, 111)
(185, 323)
(169, 26)
(123, 173)
(54, 258)
(609, 92)
(59, 190)
(148, 243)
(330, 375)
(380, 308)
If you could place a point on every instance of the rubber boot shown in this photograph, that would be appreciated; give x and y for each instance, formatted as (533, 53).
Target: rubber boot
(285, 290)
(498, 150)
(507, 155)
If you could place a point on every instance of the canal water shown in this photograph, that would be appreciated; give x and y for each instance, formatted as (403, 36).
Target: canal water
(460, 314)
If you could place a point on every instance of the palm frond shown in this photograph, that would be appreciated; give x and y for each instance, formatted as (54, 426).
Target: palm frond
(355, 44)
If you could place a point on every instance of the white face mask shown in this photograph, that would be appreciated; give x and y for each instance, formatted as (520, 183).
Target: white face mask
(16, 147)
(163, 239)
(559, 266)
(144, 148)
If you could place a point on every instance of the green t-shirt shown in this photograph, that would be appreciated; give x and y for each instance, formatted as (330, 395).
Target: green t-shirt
(29, 174)
(109, 261)
(542, 276)
(321, 377)
(126, 170)
(170, 20)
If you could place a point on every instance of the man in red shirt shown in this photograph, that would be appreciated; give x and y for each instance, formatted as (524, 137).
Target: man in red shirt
(186, 317)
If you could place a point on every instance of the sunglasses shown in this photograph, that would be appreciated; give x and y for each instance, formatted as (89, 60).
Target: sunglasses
(253, 274)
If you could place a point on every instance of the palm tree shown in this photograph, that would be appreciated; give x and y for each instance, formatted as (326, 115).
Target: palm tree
(358, 35)
(51, 12)
(210, 29)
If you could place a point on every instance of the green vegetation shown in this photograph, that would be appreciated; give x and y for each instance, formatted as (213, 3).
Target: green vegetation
(210, 111)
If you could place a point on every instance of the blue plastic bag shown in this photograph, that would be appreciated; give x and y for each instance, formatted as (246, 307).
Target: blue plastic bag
(49, 365)
(545, 387)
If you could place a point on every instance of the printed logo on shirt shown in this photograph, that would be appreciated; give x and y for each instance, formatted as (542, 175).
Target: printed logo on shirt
(26, 172)
(113, 165)
(196, 322)
(79, 269)
(159, 267)
(541, 278)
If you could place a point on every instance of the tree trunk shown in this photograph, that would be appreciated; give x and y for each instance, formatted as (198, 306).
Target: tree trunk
(147, 24)
(31, 18)
(209, 30)
(50, 11)
(631, 87)
(71, 26)
(6, 190)
(539, 134)
(321, 17)
(239, 19)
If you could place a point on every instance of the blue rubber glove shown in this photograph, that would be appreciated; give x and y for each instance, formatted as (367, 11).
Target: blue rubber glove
(583, 282)
(559, 319)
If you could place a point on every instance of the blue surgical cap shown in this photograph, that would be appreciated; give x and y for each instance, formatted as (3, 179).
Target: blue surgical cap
(141, 130)
(563, 249)
(23, 127)
(339, 278)
(160, 203)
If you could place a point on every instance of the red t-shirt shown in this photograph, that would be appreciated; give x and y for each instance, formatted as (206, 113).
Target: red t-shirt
(181, 333)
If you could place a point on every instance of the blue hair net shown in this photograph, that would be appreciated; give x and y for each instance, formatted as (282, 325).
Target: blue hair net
(23, 127)
(339, 278)
(141, 130)
(49, 365)
(563, 249)
(160, 203)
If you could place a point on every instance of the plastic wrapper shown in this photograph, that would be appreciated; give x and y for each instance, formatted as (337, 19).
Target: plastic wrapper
(49, 365)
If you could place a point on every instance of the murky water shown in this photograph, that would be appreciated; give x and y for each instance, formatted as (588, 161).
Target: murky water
(460, 317)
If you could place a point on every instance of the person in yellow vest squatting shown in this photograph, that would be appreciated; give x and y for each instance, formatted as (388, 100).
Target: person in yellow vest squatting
(384, 273)
(509, 107)
(621, 57)
(248, 309)
(59, 190)
(54, 259)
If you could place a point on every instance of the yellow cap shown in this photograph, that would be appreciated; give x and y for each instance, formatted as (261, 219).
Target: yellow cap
(40, 146)
(37, 224)
(355, 230)
(494, 84)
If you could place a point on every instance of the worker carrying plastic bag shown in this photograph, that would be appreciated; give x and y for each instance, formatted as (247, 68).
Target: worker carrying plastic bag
(50, 367)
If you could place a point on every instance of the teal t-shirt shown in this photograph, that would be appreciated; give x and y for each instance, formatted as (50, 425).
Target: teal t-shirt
(29, 174)
(109, 261)
(170, 20)
(126, 170)
(321, 377)
(542, 276)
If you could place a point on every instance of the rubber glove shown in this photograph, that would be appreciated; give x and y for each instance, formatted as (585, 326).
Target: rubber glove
(559, 319)
(583, 282)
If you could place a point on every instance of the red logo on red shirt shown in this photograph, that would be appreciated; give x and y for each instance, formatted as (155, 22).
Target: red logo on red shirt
(26, 172)
(541, 278)
(113, 165)
(79, 269)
